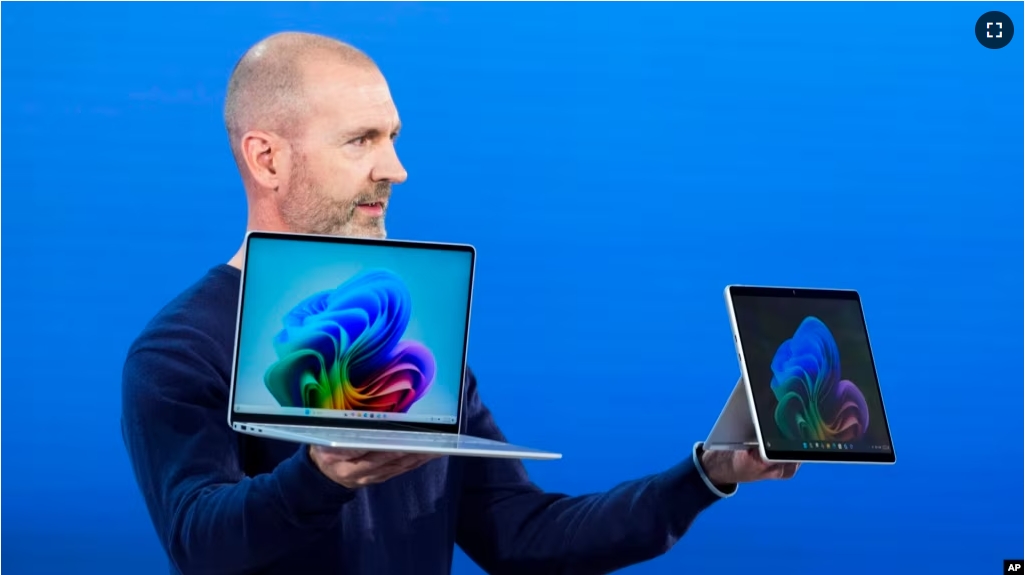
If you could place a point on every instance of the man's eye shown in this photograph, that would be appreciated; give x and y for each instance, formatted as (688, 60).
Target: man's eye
(360, 141)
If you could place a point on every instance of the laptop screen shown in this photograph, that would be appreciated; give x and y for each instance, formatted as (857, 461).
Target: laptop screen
(353, 329)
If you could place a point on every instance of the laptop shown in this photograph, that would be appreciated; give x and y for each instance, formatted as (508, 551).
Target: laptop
(357, 343)
(808, 390)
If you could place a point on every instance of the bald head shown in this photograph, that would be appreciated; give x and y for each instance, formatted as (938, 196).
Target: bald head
(266, 89)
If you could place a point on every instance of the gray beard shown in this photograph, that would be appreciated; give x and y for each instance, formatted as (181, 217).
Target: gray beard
(307, 210)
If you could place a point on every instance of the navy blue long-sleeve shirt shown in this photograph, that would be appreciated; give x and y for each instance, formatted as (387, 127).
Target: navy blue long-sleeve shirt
(228, 503)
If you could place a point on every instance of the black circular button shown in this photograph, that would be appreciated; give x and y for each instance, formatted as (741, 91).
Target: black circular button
(994, 30)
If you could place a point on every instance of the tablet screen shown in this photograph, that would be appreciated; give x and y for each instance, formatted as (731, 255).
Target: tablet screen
(812, 374)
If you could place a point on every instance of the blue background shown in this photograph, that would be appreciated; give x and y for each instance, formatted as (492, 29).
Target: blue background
(615, 165)
(281, 275)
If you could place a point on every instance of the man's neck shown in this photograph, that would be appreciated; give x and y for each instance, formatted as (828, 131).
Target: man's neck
(261, 224)
(238, 258)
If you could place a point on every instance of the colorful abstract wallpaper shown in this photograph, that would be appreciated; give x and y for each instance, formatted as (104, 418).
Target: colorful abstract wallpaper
(815, 401)
(344, 349)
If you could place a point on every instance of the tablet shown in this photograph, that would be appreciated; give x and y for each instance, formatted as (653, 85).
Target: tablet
(811, 380)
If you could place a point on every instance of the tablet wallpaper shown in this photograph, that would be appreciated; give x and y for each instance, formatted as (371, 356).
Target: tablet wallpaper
(815, 402)
(344, 349)
(812, 374)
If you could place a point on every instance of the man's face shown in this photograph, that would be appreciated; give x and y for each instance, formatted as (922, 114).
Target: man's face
(343, 160)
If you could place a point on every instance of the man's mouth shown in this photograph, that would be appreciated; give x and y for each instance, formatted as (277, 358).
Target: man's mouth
(371, 208)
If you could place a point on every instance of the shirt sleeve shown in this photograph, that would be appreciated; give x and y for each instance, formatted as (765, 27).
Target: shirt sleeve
(209, 516)
(507, 524)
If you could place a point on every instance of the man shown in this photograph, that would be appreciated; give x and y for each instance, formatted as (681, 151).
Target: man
(312, 128)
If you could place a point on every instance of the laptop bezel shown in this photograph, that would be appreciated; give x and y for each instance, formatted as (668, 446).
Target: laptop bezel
(236, 418)
(776, 455)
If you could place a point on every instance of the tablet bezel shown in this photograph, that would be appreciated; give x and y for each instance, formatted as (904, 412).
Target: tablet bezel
(772, 455)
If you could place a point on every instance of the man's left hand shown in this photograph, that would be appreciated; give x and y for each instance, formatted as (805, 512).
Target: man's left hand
(733, 467)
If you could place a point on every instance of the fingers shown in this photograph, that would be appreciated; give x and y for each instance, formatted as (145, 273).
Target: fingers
(377, 457)
(376, 466)
(339, 454)
(773, 470)
(386, 472)
(395, 467)
(370, 464)
(781, 470)
(335, 454)
(789, 470)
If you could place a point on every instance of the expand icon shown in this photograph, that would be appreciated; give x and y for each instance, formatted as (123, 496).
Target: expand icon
(994, 30)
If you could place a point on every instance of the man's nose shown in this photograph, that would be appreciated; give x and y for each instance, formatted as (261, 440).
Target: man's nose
(389, 168)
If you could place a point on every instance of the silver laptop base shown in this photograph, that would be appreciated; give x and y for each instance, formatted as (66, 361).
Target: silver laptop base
(395, 441)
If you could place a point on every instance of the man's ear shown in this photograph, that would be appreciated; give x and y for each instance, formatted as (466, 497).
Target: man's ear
(266, 157)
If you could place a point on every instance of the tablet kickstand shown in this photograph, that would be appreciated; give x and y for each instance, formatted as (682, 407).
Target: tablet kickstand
(734, 430)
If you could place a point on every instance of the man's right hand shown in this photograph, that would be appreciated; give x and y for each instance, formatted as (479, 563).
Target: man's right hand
(354, 468)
